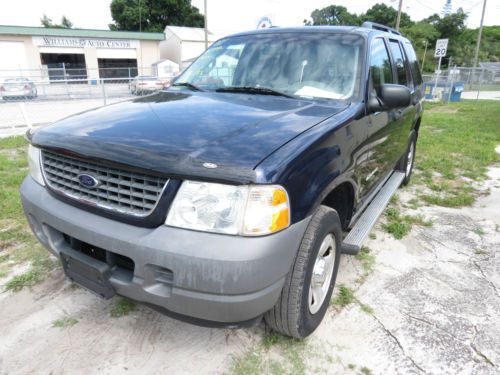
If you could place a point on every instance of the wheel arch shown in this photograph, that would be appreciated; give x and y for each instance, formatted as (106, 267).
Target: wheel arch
(340, 197)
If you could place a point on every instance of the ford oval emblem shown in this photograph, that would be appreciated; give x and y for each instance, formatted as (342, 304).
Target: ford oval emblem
(210, 165)
(88, 181)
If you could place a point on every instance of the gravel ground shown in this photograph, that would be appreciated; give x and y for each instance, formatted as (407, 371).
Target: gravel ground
(431, 305)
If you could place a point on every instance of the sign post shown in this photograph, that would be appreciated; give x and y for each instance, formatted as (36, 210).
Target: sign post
(440, 51)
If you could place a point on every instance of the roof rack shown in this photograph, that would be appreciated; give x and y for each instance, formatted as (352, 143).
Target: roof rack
(377, 26)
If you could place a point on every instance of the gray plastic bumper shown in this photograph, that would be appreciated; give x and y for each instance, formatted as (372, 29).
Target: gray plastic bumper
(214, 277)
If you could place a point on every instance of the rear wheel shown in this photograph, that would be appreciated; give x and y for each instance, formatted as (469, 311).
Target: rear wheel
(406, 163)
(308, 287)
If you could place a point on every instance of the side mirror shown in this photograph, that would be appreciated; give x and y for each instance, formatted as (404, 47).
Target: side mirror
(390, 96)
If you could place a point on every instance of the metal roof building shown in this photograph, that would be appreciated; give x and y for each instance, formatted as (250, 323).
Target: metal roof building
(184, 43)
(93, 54)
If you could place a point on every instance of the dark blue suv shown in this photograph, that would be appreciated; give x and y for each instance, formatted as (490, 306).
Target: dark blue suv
(232, 195)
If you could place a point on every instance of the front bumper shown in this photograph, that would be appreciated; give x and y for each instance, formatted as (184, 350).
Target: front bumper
(217, 278)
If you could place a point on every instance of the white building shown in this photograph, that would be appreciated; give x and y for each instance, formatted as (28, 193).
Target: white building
(75, 53)
(184, 43)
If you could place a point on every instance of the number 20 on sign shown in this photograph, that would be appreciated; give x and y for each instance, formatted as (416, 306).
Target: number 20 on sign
(441, 47)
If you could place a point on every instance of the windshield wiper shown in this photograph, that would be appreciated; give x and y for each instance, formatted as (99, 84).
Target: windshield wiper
(187, 84)
(253, 90)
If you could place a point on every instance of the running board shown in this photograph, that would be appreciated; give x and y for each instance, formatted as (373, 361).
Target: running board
(353, 241)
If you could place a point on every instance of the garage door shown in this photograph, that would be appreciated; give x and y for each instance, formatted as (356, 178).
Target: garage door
(17, 57)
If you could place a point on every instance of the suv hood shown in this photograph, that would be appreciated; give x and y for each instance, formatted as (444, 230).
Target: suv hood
(174, 133)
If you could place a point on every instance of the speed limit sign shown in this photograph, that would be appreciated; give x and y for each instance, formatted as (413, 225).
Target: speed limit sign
(441, 46)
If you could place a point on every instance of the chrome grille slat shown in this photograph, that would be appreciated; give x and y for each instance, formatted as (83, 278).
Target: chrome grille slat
(121, 191)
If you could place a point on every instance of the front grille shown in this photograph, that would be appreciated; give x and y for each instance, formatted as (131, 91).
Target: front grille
(118, 190)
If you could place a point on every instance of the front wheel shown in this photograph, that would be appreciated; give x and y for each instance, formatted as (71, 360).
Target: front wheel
(308, 287)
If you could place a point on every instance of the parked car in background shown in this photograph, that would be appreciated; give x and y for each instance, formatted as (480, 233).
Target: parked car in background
(17, 88)
(141, 85)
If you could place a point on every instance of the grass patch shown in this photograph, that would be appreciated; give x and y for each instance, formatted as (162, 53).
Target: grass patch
(18, 282)
(365, 308)
(66, 321)
(400, 225)
(16, 240)
(456, 140)
(344, 297)
(287, 357)
(366, 258)
(122, 307)
(479, 231)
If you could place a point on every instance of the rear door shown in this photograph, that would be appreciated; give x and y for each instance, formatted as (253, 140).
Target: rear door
(406, 116)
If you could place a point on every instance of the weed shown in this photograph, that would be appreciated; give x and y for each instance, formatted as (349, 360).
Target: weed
(413, 203)
(249, 364)
(26, 279)
(66, 321)
(122, 307)
(364, 307)
(479, 231)
(344, 297)
(351, 366)
(289, 353)
(366, 258)
(271, 339)
(480, 252)
(400, 225)
(366, 371)
(372, 236)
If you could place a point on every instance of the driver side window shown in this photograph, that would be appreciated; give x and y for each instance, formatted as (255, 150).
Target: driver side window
(380, 64)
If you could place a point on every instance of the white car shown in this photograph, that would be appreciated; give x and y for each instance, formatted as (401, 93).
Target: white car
(141, 85)
(16, 88)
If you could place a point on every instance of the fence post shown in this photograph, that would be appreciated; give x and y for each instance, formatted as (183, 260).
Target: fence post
(479, 83)
(452, 82)
(103, 92)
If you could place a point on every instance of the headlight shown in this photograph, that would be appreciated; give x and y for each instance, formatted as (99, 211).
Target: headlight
(244, 210)
(34, 164)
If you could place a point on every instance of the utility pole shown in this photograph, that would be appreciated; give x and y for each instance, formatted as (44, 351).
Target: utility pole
(423, 58)
(476, 54)
(398, 19)
(206, 29)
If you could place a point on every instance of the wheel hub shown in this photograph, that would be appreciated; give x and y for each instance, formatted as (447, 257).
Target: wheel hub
(322, 273)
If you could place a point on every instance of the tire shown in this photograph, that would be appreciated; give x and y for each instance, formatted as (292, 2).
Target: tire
(407, 161)
(292, 315)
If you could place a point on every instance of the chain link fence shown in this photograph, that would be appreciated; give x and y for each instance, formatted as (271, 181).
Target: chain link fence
(459, 83)
(33, 98)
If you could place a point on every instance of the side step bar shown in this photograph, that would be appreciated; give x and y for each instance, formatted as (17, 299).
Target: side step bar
(353, 241)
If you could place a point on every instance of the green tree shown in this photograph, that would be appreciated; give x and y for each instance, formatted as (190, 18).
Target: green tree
(332, 15)
(386, 15)
(450, 25)
(422, 34)
(65, 23)
(153, 15)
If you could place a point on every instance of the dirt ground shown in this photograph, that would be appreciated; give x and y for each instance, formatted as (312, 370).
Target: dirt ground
(433, 298)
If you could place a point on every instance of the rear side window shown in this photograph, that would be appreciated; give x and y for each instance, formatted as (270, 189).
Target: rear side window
(380, 64)
(400, 62)
(414, 66)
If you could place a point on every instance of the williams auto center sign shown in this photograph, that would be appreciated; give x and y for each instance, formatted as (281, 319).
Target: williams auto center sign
(47, 41)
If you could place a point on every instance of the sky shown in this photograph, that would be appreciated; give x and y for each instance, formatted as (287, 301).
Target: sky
(232, 15)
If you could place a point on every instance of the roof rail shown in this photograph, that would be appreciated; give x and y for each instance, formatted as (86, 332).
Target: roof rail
(377, 26)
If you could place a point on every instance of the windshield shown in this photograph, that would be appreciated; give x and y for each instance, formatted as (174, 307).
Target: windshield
(319, 65)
